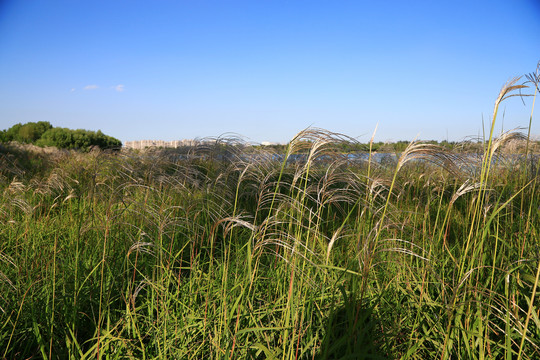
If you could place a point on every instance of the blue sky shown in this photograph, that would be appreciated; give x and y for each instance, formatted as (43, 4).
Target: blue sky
(266, 69)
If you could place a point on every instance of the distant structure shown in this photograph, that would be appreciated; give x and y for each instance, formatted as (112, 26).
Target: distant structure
(142, 144)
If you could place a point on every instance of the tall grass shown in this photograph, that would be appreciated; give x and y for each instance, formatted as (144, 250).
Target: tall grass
(230, 252)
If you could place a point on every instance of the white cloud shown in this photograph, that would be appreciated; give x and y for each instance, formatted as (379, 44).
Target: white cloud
(119, 88)
(72, 89)
(91, 87)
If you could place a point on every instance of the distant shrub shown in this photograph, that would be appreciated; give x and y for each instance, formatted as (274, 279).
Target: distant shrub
(27, 133)
(44, 134)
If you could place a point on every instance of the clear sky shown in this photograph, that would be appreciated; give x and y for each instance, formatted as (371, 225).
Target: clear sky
(266, 69)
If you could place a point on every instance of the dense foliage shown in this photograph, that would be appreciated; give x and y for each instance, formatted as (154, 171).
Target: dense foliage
(42, 133)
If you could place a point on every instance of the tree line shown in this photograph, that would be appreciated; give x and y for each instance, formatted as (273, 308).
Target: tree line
(350, 147)
(42, 133)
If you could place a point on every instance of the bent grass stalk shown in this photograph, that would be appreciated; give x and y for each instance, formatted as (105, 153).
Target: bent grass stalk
(475, 223)
(534, 78)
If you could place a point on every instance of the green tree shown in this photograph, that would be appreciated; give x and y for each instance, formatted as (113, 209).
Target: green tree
(42, 133)
(12, 133)
(77, 139)
(28, 133)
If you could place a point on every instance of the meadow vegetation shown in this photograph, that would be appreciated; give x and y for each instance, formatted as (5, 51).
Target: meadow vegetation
(233, 252)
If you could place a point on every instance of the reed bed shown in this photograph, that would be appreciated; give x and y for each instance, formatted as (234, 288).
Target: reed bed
(229, 252)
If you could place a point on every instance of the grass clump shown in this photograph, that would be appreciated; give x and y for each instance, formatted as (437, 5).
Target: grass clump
(230, 251)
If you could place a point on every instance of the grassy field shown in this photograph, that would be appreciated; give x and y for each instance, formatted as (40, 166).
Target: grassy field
(233, 252)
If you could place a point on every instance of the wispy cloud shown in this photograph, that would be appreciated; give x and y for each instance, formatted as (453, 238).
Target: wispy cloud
(119, 87)
(72, 89)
